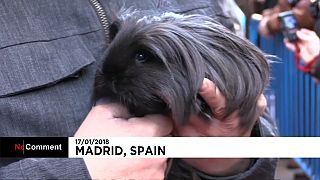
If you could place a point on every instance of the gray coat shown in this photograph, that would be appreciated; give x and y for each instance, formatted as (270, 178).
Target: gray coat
(49, 52)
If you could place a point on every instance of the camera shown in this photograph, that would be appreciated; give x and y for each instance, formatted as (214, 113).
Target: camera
(289, 25)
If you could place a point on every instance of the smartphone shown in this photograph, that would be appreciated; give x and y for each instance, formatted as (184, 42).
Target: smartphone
(289, 25)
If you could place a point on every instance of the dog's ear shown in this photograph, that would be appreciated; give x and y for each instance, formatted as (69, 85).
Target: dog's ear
(114, 29)
(118, 18)
(116, 21)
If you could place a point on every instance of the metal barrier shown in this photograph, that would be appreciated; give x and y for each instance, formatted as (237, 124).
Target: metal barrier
(293, 97)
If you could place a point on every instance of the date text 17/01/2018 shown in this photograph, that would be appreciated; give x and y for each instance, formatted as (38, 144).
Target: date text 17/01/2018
(119, 151)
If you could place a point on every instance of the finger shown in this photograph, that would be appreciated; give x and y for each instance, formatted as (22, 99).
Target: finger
(289, 45)
(263, 30)
(261, 105)
(306, 31)
(312, 35)
(152, 125)
(113, 110)
(303, 35)
(213, 97)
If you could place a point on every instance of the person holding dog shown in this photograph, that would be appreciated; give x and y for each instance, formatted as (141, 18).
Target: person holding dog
(50, 52)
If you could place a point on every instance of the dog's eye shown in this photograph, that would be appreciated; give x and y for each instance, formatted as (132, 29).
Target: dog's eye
(141, 57)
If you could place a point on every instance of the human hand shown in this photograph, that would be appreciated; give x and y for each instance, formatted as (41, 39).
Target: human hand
(110, 120)
(308, 43)
(218, 127)
(269, 23)
(263, 27)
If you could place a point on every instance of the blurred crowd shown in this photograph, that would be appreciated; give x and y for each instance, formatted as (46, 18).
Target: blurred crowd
(306, 13)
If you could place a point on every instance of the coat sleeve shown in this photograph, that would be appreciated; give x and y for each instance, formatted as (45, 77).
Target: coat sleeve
(45, 168)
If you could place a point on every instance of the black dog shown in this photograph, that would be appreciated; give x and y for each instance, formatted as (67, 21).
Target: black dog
(156, 64)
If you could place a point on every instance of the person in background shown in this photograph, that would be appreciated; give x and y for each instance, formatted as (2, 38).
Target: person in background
(309, 45)
(250, 7)
(270, 24)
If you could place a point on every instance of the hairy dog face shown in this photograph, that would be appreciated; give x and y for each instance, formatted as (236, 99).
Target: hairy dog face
(157, 65)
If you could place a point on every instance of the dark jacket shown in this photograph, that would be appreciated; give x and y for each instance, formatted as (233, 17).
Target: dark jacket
(49, 54)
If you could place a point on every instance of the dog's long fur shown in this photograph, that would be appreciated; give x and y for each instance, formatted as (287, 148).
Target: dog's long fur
(157, 65)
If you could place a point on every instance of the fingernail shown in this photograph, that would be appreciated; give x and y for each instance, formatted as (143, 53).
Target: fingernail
(204, 85)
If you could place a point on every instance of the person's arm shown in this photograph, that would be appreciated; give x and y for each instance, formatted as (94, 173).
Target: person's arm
(270, 23)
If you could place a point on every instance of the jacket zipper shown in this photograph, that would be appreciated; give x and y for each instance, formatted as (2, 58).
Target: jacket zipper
(102, 16)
